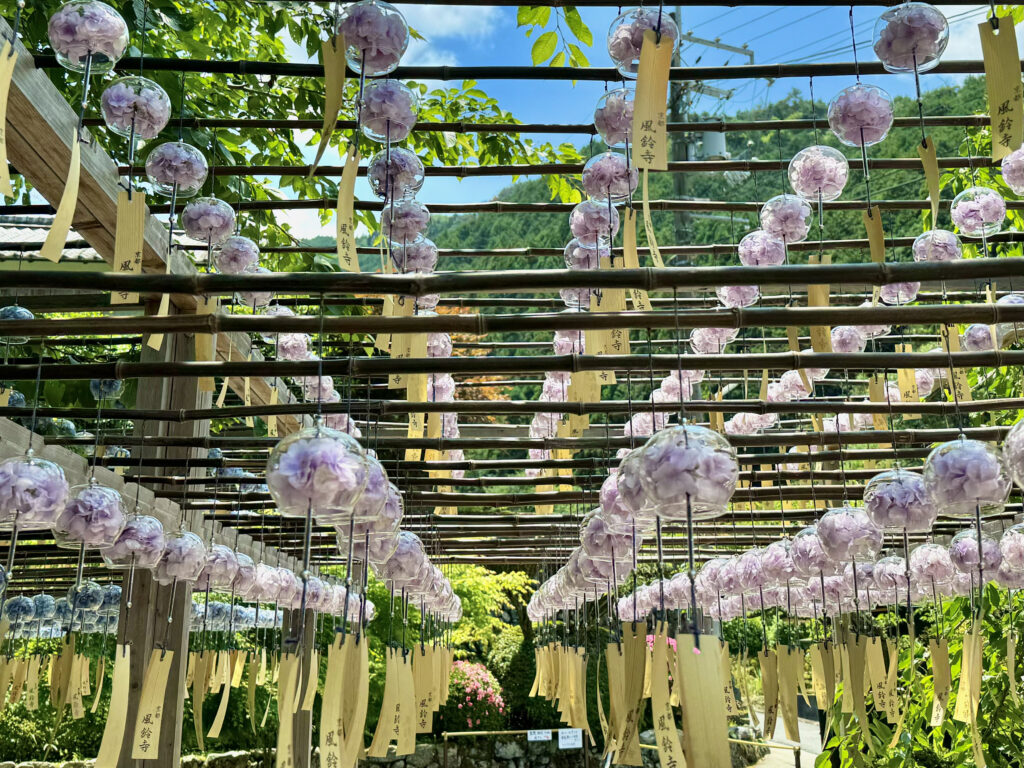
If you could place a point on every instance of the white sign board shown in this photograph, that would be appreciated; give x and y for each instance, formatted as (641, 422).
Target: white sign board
(570, 738)
(538, 735)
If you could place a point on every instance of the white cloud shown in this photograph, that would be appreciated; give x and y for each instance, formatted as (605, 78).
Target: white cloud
(424, 53)
(452, 22)
(304, 223)
(964, 42)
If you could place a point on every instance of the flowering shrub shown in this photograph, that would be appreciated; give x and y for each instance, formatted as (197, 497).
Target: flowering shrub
(474, 699)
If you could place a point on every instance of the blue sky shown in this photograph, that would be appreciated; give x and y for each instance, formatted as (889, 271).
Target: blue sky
(780, 34)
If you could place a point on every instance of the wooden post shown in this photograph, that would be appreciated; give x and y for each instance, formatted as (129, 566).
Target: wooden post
(160, 615)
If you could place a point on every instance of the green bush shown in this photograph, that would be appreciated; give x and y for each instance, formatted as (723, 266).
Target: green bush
(513, 662)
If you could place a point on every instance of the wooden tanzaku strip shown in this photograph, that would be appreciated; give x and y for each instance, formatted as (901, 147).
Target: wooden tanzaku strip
(379, 408)
(767, 439)
(502, 206)
(480, 324)
(599, 74)
(716, 124)
(531, 169)
(416, 284)
(362, 367)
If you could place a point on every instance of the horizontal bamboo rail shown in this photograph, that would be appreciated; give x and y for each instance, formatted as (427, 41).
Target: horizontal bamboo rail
(501, 206)
(716, 124)
(362, 367)
(528, 169)
(598, 74)
(481, 324)
(380, 408)
(415, 284)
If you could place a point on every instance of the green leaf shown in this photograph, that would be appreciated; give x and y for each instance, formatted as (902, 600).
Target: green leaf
(544, 47)
(533, 15)
(559, 60)
(578, 28)
(578, 57)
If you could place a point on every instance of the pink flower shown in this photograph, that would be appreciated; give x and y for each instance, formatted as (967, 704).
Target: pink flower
(591, 221)
(376, 36)
(911, 36)
(711, 341)
(1013, 170)
(760, 249)
(404, 221)
(626, 36)
(613, 117)
(609, 175)
(738, 295)
(420, 255)
(977, 337)
(236, 254)
(397, 172)
(937, 245)
(208, 219)
(846, 534)
(387, 111)
(80, 28)
(818, 172)
(787, 218)
(860, 115)
(176, 162)
(978, 211)
(847, 339)
(962, 474)
(898, 499)
(135, 100)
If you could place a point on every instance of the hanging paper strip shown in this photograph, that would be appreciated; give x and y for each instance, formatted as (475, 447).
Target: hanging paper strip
(791, 667)
(930, 164)
(650, 136)
(705, 727)
(731, 709)
(332, 53)
(1002, 79)
(113, 731)
(943, 681)
(8, 59)
(959, 386)
(53, 246)
(345, 226)
(819, 296)
(202, 662)
(770, 684)
(288, 682)
(634, 641)
(250, 693)
(156, 340)
(670, 750)
(129, 240)
(146, 745)
(388, 721)
(206, 343)
(353, 713)
(906, 380)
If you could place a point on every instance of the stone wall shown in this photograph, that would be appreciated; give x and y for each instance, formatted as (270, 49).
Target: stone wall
(482, 752)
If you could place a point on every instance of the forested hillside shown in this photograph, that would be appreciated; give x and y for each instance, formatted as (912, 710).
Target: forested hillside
(516, 230)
